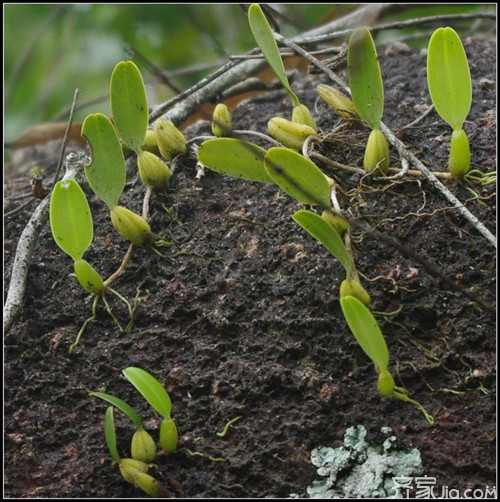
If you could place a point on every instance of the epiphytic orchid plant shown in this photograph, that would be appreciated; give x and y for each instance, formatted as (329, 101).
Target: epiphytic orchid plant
(450, 87)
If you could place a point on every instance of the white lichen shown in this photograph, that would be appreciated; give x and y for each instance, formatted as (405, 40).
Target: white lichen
(361, 470)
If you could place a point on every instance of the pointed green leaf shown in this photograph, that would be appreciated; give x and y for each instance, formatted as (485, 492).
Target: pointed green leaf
(122, 406)
(448, 77)
(298, 176)
(107, 172)
(365, 79)
(366, 330)
(264, 37)
(110, 434)
(150, 389)
(129, 104)
(327, 235)
(234, 157)
(70, 218)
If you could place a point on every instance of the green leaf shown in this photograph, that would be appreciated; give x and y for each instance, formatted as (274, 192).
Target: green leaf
(107, 172)
(129, 104)
(448, 77)
(298, 176)
(110, 434)
(70, 218)
(122, 406)
(151, 389)
(264, 37)
(326, 234)
(366, 330)
(365, 79)
(234, 157)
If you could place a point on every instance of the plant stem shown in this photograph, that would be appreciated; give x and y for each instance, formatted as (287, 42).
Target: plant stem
(121, 268)
(65, 139)
(84, 325)
(22, 260)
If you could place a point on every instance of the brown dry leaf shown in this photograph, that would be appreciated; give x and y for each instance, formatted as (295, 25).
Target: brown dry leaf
(43, 133)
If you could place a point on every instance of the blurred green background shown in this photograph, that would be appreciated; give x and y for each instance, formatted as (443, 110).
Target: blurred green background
(52, 49)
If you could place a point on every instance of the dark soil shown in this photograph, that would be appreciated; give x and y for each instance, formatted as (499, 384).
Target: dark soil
(241, 318)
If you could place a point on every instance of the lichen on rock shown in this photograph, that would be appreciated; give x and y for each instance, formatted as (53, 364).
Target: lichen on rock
(359, 469)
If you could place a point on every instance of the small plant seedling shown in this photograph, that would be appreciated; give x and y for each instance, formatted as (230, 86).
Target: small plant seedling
(449, 82)
(71, 220)
(367, 90)
(107, 175)
(263, 34)
(156, 395)
(302, 123)
(143, 446)
(133, 471)
(72, 228)
(320, 228)
(130, 114)
(369, 336)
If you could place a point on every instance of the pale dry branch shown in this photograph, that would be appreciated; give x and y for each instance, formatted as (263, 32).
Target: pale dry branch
(181, 107)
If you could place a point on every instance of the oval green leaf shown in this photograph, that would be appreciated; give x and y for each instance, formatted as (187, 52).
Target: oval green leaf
(107, 172)
(110, 434)
(448, 77)
(150, 389)
(264, 37)
(365, 79)
(298, 176)
(366, 330)
(70, 218)
(122, 406)
(234, 157)
(129, 104)
(319, 228)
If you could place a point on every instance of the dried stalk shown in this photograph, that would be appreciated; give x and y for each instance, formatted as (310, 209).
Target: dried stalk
(29, 238)
(181, 107)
